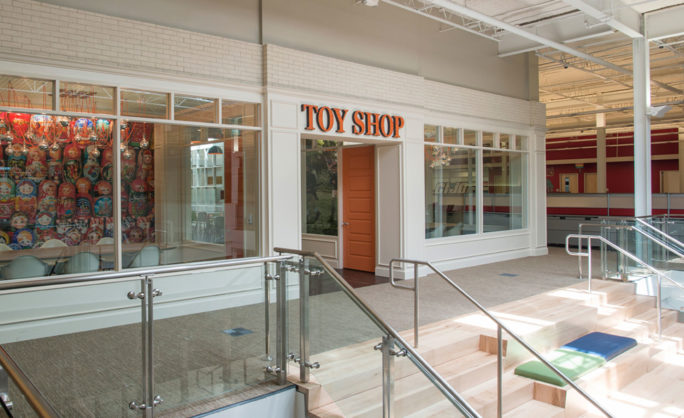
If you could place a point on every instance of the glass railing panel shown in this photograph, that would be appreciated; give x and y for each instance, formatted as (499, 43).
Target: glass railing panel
(80, 346)
(209, 337)
(415, 394)
(341, 340)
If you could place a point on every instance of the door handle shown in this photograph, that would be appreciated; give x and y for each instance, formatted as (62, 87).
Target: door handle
(345, 223)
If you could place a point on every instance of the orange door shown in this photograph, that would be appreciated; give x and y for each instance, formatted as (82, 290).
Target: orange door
(358, 202)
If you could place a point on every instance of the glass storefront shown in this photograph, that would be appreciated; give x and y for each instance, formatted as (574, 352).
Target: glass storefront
(188, 192)
(452, 182)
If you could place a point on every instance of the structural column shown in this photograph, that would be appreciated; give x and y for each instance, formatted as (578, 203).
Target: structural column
(601, 160)
(680, 145)
(642, 128)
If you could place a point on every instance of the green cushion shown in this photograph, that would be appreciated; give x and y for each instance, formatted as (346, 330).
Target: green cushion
(572, 363)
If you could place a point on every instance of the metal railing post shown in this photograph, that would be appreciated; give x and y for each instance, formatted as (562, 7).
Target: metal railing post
(622, 270)
(415, 305)
(659, 308)
(499, 373)
(281, 319)
(589, 261)
(267, 313)
(303, 321)
(387, 376)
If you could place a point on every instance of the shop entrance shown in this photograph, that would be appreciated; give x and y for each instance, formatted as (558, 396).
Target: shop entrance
(358, 208)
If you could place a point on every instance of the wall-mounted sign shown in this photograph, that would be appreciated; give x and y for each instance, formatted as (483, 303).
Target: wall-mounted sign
(327, 119)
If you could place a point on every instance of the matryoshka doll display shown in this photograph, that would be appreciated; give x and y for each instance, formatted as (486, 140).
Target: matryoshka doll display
(62, 131)
(16, 159)
(93, 235)
(45, 225)
(55, 163)
(103, 131)
(5, 128)
(47, 196)
(72, 163)
(128, 166)
(26, 200)
(36, 164)
(106, 172)
(84, 203)
(66, 200)
(91, 168)
(7, 195)
(145, 164)
(25, 238)
(42, 129)
(137, 199)
(103, 206)
(18, 221)
(83, 132)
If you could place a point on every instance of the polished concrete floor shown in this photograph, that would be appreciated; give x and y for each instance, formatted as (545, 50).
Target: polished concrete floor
(198, 359)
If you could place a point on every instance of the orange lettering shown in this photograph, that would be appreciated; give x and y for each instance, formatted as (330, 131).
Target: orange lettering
(358, 127)
(310, 109)
(398, 124)
(339, 117)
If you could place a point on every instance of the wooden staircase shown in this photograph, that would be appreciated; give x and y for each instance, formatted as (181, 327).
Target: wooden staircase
(647, 380)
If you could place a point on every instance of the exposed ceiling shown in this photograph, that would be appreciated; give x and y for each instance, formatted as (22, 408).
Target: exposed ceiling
(584, 49)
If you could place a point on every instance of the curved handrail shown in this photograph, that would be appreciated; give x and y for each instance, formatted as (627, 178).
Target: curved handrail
(500, 324)
(662, 233)
(627, 254)
(432, 374)
(40, 405)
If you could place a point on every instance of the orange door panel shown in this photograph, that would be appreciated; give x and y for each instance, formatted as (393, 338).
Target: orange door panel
(358, 214)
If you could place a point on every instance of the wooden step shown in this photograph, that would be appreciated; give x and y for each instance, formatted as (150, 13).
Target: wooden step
(535, 408)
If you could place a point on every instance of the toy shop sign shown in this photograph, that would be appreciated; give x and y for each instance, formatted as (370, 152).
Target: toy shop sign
(333, 119)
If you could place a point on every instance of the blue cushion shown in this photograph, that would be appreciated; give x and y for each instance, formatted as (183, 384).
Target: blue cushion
(600, 344)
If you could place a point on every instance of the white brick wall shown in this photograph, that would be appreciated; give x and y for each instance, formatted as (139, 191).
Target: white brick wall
(302, 71)
(44, 31)
(55, 34)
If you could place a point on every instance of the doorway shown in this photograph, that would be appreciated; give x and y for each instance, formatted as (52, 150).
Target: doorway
(358, 208)
(568, 183)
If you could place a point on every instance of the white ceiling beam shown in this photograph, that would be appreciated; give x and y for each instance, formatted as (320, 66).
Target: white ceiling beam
(465, 11)
(665, 24)
(571, 29)
(613, 13)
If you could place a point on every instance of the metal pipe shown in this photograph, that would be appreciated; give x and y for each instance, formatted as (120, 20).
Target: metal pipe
(387, 376)
(303, 322)
(281, 319)
(150, 399)
(443, 386)
(660, 309)
(35, 399)
(155, 271)
(416, 299)
(499, 373)
(143, 343)
(267, 314)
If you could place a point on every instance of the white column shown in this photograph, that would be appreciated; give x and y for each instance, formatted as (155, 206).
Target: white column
(680, 146)
(642, 128)
(601, 160)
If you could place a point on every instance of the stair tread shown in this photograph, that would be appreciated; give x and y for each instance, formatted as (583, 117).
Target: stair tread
(534, 408)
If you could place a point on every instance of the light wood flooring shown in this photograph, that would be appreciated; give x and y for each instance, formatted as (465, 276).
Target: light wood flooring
(646, 381)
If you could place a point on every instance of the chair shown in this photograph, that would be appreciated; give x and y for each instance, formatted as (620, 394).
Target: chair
(105, 241)
(84, 262)
(23, 267)
(53, 243)
(146, 257)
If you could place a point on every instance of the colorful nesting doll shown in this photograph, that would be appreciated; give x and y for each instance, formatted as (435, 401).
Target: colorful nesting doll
(62, 132)
(47, 196)
(55, 164)
(137, 199)
(82, 132)
(103, 131)
(91, 167)
(103, 205)
(93, 235)
(66, 200)
(7, 196)
(36, 164)
(72, 163)
(42, 128)
(26, 200)
(25, 238)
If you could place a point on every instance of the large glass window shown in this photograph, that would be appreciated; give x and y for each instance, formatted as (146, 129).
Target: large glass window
(450, 191)
(188, 192)
(191, 193)
(504, 177)
(452, 183)
(319, 183)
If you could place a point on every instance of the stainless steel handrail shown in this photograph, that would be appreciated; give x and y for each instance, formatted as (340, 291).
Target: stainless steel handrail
(667, 236)
(627, 254)
(592, 224)
(431, 374)
(133, 273)
(501, 326)
(40, 405)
